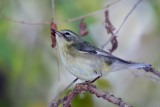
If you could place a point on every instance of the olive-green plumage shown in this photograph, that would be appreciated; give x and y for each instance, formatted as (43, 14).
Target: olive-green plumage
(85, 61)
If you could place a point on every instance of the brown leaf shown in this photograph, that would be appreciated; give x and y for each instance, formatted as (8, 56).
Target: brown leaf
(82, 29)
(114, 43)
(53, 36)
(110, 29)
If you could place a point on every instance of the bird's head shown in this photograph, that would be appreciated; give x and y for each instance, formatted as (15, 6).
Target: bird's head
(66, 36)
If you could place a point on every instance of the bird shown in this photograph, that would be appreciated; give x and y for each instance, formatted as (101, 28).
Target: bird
(87, 62)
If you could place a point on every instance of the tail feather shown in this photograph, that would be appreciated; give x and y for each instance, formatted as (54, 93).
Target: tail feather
(139, 65)
(118, 65)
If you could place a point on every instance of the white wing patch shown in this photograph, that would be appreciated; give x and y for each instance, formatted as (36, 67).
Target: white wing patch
(102, 53)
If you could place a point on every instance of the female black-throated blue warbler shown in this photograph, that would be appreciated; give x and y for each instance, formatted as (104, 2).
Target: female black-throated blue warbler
(86, 61)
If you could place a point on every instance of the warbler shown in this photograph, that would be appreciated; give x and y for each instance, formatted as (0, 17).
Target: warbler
(86, 61)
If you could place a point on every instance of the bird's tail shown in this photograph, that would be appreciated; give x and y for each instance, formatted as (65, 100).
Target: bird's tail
(129, 65)
(139, 65)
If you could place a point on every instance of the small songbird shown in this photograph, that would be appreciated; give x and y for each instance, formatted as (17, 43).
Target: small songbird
(86, 61)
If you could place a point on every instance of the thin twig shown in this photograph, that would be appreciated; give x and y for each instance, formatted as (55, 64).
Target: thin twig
(57, 97)
(152, 70)
(104, 45)
(82, 17)
(156, 73)
(66, 100)
(65, 88)
(110, 30)
(125, 19)
(89, 14)
(60, 22)
(24, 22)
(53, 10)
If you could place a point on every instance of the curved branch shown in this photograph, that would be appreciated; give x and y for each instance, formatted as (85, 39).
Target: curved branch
(67, 100)
(59, 22)
(89, 14)
(111, 28)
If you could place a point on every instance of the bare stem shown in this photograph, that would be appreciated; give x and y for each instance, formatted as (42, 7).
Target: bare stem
(57, 97)
(89, 14)
(60, 22)
(123, 22)
(53, 10)
(24, 22)
(152, 70)
(109, 27)
(93, 90)
(126, 17)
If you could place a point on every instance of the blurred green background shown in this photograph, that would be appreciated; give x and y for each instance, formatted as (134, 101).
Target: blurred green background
(28, 68)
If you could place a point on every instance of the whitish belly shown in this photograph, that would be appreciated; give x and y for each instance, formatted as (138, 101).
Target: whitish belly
(82, 65)
(83, 68)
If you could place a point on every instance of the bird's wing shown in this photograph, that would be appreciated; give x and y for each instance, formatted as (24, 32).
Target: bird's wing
(88, 48)
(115, 62)
(85, 47)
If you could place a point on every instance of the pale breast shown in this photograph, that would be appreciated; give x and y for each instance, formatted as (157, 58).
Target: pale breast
(85, 66)
(82, 65)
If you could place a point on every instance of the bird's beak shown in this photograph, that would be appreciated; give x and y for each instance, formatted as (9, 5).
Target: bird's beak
(56, 32)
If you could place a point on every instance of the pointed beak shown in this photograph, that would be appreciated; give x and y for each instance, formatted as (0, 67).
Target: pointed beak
(56, 32)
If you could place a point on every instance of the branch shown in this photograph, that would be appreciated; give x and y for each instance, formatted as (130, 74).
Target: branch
(129, 13)
(52, 104)
(89, 14)
(110, 30)
(114, 35)
(53, 26)
(67, 100)
(65, 89)
(60, 22)
(53, 11)
(152, 70)
(24, 22)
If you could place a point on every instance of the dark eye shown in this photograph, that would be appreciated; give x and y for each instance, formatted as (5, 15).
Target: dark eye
(67, 33)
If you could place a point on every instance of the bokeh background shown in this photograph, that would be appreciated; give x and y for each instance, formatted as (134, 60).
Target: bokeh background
(28, 67)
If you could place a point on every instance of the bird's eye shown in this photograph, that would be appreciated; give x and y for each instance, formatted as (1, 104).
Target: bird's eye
(67, 33)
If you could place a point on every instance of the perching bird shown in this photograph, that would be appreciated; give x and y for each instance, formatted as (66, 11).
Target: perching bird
(86, 61)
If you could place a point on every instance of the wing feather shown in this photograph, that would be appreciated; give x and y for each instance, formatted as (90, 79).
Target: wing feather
(86, 47)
